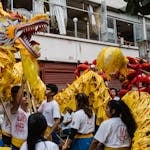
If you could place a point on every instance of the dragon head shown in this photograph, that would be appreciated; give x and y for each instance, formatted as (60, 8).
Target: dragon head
(16, 31)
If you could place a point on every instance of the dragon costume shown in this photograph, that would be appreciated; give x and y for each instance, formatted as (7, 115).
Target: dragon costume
(135, 90)
(93, 86)
(16, 38)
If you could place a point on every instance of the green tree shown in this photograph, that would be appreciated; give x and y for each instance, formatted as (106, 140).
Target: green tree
(138, 6)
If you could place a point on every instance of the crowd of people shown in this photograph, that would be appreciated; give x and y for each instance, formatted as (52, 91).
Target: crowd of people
(48, 129)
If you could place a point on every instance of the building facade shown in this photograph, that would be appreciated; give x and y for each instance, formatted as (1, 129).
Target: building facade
(78, 30)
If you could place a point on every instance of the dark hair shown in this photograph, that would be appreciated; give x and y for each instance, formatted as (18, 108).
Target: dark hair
(83, 103)
(26, 94)
(122, 110)
(115, 90)
(52, 87)
(15, 89)
(14, 92)
(36, 126)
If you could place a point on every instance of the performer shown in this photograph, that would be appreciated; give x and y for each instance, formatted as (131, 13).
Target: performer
(67, 119)
(37, 124)
(117, 132)
(83, 125)
(16, 95)
(19, 123)
(50, 109)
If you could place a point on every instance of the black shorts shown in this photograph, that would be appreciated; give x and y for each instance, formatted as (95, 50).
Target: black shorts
(6, 140)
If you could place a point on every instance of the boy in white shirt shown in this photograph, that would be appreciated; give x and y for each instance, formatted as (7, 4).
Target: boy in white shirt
(16, 95)
(66, 123)
(19, 121)
(50, 109)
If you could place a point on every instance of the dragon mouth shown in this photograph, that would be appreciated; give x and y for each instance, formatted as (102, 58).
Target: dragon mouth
(25, 32)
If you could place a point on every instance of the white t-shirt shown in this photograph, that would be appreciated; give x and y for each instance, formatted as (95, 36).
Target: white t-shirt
(6, 122)
(82, 123)
(43, 145)
(67, 117)
(50, 110)
(113, 133)
(19, 128)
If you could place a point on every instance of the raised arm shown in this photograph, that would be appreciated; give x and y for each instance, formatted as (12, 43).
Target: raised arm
(17, 95)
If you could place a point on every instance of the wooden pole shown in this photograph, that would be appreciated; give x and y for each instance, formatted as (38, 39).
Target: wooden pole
(28, 95)
(32, 104)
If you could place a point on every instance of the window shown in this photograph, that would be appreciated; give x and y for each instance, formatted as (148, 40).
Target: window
(125, 33)
(26, 4)
(85, 16)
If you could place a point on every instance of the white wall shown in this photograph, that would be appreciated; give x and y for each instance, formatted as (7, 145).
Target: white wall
(69, 49)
